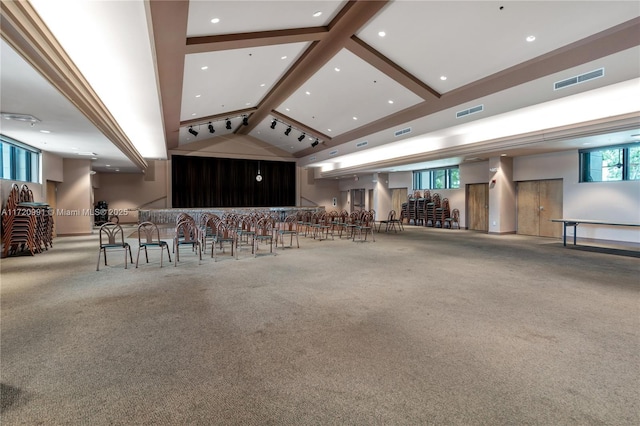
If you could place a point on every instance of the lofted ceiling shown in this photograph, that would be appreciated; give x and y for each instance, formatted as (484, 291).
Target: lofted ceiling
(325, 69)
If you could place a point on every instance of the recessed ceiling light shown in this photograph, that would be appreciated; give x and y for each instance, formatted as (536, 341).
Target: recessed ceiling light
(328, 130)
(45, 131)
(382, 33)
(443, 77)
(337, 69)
(586, 143)
(390, 101)
(503, 155)
(193, 113)
(262, 85)
(283, 57)
(248, 103)
(204, 68)
(107, 165)
(215, 20)
(307, 92)
(355, 118)
(316, 14)
(531, 38)
(287, 109)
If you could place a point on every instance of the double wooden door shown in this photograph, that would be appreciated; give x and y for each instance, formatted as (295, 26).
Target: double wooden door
(538, 202)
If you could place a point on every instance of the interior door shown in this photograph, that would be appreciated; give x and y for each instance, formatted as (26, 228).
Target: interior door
(398, 196)
(550, 208)
(528, 202)
(538, 202)
(478, 207)
(357, 199)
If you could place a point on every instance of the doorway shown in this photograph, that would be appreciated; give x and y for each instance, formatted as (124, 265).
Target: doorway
(478, 207)
(539, 201)
(357, 199)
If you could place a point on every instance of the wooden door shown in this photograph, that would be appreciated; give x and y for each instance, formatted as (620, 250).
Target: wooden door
(398, 196)
(538, 202)
(550, 208)
(528, 202)
(478, 207)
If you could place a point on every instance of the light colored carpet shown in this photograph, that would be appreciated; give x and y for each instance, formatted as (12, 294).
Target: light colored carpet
(425, 326)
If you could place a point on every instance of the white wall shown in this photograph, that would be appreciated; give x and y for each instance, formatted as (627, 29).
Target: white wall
(608, 201)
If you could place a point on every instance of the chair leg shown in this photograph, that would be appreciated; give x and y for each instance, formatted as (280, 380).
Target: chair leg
(138, 257)
(98, 266)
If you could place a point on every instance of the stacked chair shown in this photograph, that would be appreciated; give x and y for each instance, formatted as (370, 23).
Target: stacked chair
(26, 225)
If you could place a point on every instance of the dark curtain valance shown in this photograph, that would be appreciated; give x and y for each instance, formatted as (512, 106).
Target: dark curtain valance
(228, 182)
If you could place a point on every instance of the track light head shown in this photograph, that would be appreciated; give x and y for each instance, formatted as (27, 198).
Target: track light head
(286, 132)
(193, 132)
(315, 143)
(273, 124)
(302, 136)
(211, 129)
(245, 120)
(228, 124)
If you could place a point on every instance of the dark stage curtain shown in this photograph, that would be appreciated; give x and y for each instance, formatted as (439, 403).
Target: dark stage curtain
(227, 182)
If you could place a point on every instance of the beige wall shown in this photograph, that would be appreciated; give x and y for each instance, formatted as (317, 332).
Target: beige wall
(317, 192)
(74, 198)
(127, 192)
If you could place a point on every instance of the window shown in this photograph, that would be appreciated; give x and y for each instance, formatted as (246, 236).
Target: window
(18, 161)
(446, 178)
(610, 164)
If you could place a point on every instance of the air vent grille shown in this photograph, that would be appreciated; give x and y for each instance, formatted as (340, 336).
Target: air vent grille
(578, 79)
(361, 144)
(469, 111)
(402, 132)
(312, 158)
(332, 153)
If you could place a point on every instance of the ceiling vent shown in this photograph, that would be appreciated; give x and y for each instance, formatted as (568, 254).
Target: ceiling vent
(361, 144)
(332, 153)
(469, 111)
(312, 158)
(20, 117)
(578, 79)
(402, 132)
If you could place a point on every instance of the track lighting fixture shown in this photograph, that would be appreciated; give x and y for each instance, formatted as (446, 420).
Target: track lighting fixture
(193, 132)
(286, 132)
(273, 124)
(315, 143)
(211, 129)
(245, 120)
(301, 137)
(228, 124)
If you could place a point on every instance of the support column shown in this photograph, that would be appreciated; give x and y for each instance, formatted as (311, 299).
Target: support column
(502, 196)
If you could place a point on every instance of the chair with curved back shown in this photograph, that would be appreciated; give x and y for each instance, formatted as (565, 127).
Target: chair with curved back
(288, 227)
(264, 233)
(364, 226)
(454, 220)
(187, 233)
(112, 238)
(149, 236)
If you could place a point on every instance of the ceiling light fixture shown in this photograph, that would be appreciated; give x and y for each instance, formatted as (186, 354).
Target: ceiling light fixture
(215, 20)
(228, 124)
(273, 124)
(316, 14)
(211, 129)
(531, 38)
(382, 33)
(443, 77)
(315, 143)
(286, 132)
(245, 120)
(193, 132)
(301, 137)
